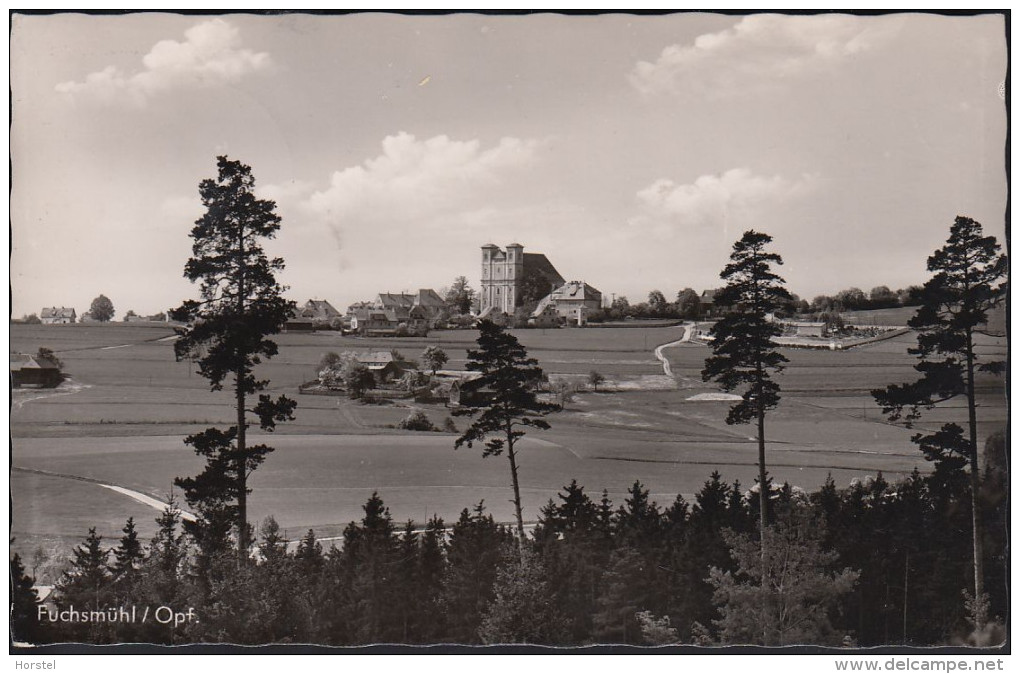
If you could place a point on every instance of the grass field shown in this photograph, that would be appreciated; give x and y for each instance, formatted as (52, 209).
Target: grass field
(123, 422)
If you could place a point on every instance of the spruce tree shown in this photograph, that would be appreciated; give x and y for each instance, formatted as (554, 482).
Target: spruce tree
(574, 553)
(967, 282)
(87, 580)
(744, 354)
(512, 378)
(227, 333)
(431, 570)
(128, 554)
(85, 586)
(369, 562)
(473, 556)
(24, 605)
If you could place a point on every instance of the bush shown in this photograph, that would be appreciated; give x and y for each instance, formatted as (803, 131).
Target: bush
(449, 426)
(417, 421)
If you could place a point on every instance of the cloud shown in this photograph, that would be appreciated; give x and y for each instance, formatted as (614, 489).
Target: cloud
(714, 201)
(210, 55)
(418, 182)
(759, 51)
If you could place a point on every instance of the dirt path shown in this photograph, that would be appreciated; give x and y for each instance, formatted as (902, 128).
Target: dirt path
(130, 493)
(665, 361)
(25, 396)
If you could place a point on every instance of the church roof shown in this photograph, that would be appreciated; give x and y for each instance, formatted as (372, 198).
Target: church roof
(539, 264)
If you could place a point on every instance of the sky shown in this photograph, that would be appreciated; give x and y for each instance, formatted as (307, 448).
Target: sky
(632, 150)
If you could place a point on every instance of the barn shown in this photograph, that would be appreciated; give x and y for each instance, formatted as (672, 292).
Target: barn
(34, 371)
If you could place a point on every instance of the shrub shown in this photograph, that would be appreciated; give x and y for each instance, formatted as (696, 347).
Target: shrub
(416, 421)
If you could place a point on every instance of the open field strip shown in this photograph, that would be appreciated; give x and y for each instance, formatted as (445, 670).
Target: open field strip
(124, 428)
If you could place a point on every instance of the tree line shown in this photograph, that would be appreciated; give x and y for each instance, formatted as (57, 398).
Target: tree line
(867, 564)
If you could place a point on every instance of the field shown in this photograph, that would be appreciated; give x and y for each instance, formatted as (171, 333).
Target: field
(121, 420)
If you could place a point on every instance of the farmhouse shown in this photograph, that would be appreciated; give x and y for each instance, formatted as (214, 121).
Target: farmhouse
(431, 307)
(545, 316)
(571, 302)
(470, 393)
(505, 274)
(382, 364)
(417, 313)
(51, 315)
(708, 307)
(318, 311)
(35, 371)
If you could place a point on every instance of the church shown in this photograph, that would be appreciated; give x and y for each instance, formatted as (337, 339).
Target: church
(511, 276)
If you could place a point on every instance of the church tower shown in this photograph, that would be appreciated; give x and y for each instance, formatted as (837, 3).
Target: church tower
(502, 273)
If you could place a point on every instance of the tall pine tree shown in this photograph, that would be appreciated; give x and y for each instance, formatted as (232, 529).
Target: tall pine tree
(967, 282)
(512, 379)
(241, 305)
(744, 354)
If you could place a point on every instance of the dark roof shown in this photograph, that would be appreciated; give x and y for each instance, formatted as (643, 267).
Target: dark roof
(708, 296)
(538, 263)
(57, 312)
(21, 361)
(429, 297)
(318, 309)
(576, 290)
(392, 300)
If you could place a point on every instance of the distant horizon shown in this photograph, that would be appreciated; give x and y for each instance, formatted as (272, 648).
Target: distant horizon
(632, 150)
(475, 285)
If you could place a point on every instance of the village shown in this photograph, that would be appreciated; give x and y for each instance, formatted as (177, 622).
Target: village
(518, 290)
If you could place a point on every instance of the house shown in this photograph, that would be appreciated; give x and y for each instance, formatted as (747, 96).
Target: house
(52, 315)
(319, 312)
(545, 316)
(377, 322)
(431, 306)
(34, 371)
(382, 364)
(572, 302)
(707, 305)
(470, 393)
(417, 313)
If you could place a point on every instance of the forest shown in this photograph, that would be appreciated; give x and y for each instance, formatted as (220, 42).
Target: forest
(867, 564)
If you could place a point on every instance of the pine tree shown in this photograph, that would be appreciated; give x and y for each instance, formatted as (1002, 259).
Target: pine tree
(369, 560)
(473, 556)
(162, 579)
(86, 586)
(967, 283)
(309, 556)
(431, 570)
(512, 377)
(522, 610)
(24, 605)
(574, 552)
(241, 305)
(128, 554)
(88, 578)
(743, 349)
(788, 599)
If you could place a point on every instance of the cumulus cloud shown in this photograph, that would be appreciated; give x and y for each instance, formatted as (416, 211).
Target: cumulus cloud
(714, 201)
(210, 55)
(761, 50)
(417, 181)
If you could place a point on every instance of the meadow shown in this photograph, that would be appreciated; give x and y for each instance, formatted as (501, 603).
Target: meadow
(122, 419)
